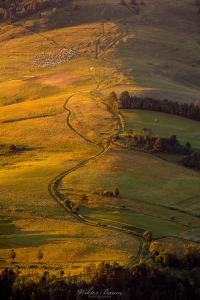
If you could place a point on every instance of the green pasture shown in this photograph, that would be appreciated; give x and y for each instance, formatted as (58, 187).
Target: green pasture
(158, 227)
(138, 176)
(186, 130)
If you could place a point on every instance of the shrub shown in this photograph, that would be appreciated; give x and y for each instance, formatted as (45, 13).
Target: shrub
(147, 235)
(66, 202)
(116, 137)
(172, 218)
(12, 148)
(75, 209)
(115, 192)
(108, 194)
(129, 131)
(84, 198)
(33, 266)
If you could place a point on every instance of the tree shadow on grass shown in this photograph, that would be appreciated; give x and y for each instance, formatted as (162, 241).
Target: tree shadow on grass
(25, 119)
(22, 240)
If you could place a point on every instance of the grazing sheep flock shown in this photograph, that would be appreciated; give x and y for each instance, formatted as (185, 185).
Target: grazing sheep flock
(52, 59)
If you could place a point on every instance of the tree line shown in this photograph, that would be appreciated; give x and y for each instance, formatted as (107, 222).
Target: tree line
(188, 261)
(155, 144)
(140, 281)
(10, 10)
(191, 111)
(190, 157)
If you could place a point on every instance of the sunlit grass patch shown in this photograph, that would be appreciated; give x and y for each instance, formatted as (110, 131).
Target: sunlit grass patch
(64, 242)
(138, 176)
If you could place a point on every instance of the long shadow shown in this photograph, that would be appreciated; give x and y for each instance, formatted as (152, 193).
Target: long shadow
(24, 119)
(29, 240)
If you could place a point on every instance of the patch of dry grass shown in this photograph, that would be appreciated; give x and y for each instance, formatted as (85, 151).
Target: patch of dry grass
(64, 242)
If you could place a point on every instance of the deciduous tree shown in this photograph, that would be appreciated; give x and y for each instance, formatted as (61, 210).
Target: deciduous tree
(40, 255)
(155, 248)
(172, 218)
(12, 255)
(147, 235)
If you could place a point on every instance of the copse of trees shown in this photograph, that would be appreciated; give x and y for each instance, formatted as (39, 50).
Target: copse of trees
(157, 144)
(12, 9)
(115, 193)
(188, 261)
(164, 145)
(191, 111)
(191, 161)
(140, 281)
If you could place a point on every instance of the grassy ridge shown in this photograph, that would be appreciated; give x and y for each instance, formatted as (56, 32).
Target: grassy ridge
(132, 53)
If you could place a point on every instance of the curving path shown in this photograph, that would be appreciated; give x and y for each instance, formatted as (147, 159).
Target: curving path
(54, 183)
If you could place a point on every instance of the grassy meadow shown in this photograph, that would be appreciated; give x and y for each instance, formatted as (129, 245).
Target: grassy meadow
(186, 130)
(57, 117)
(62, 241)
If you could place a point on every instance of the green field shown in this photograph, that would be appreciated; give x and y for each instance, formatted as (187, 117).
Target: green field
(57, 116)
(186, 130)
(156, 225)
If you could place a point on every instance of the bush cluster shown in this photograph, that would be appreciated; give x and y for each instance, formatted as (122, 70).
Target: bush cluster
(191, 161)
(73, 207)
(10, 10)
(189, 260)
